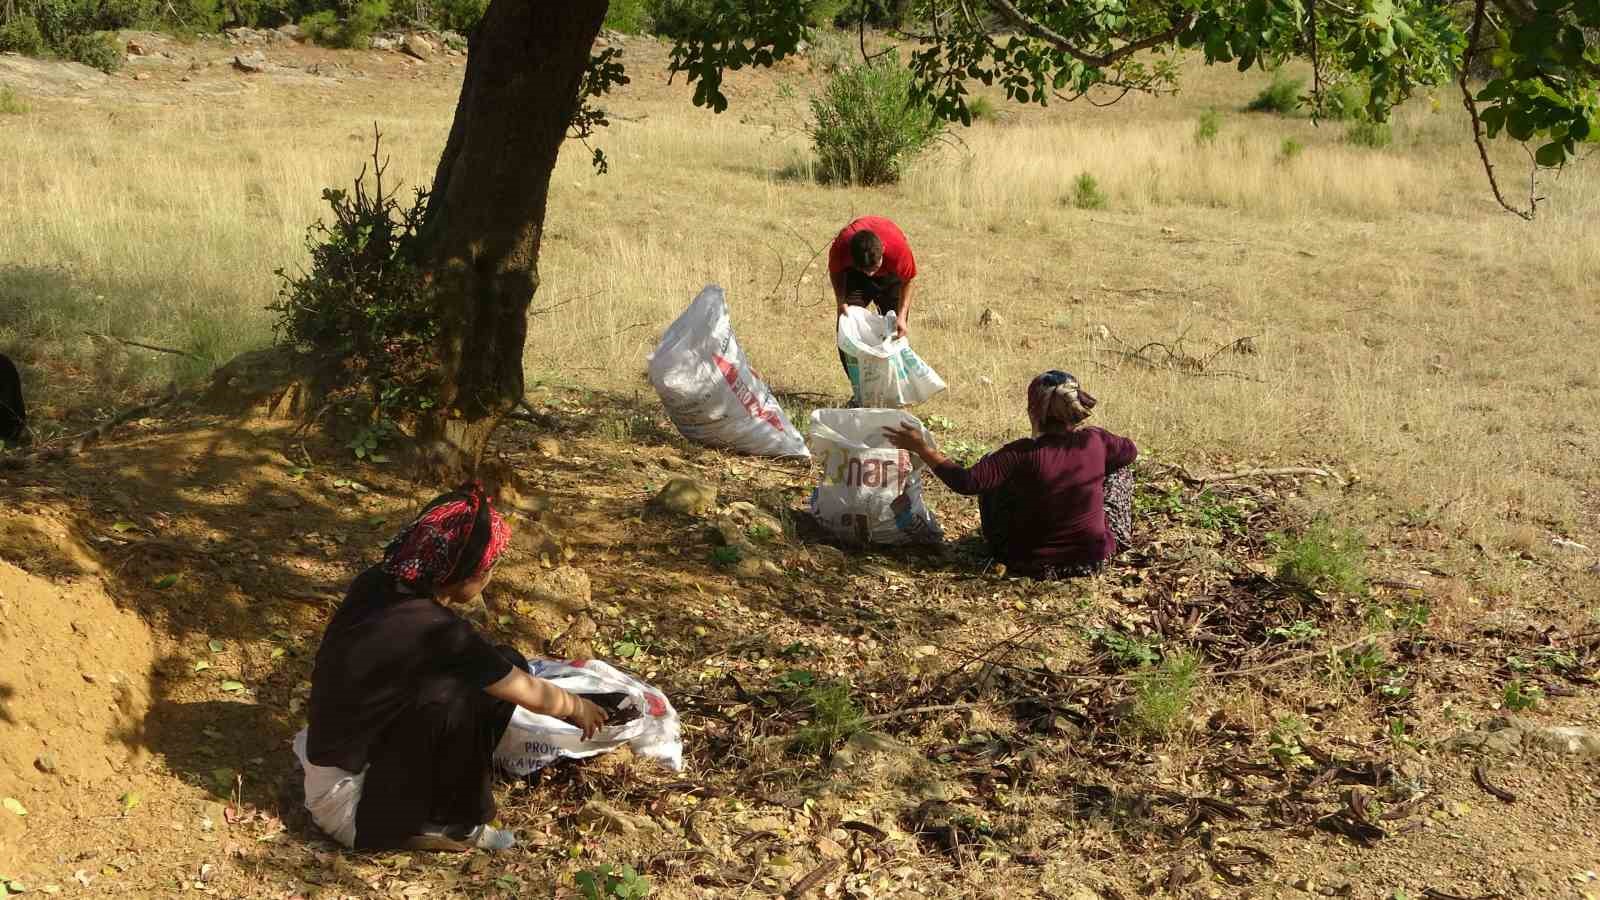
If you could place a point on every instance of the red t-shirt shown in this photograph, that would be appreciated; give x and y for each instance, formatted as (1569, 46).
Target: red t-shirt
(897, 258)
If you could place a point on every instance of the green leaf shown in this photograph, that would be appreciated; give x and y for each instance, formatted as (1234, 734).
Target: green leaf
(201, 666)
(14, 806)
(277, 652)
(165, 582)
(625, 649)
(129, 801)
(123, 527)
(215, 645)
(232, 687)
(1551, 155)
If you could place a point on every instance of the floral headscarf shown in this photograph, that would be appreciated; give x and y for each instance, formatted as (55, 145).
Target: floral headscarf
(1055, 397)
(458, 537)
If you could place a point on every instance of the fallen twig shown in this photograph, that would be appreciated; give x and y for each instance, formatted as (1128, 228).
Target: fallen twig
(140, 344)
(1243, 474)
(1481, 776)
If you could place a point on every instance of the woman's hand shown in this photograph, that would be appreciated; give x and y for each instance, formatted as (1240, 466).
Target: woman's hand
(587, 716)
(909, 437)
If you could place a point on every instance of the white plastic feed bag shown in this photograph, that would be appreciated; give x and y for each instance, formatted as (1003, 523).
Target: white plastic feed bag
(868, 492)
(640, 716)
(884, 371)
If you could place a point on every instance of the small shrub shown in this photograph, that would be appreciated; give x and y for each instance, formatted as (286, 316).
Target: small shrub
(10, 103)
(866, 128)
(1371, 134)
(96, 49)
(1207, 128)
(608, 882)
(683, 18)
(1299, 632)
(363, 302)
(1282, 96)
(1284, 743)
(1347, 102)
(1520, 696)
(1289, 149)
(1322, 558)
(21, 34)
(1163, 695)
(1086, 193)
(726, 555)
(835, 717)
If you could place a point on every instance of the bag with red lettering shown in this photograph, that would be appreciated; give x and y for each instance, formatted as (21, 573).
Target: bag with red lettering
(869, 492)
(711, 392)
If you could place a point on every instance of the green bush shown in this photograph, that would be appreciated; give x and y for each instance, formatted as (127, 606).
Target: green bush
(351, 32)
(462, 15)
(1086, 193)
(363, 302)
(21, 34)
(866, 128)
(1368, 133)
(1289, 149)
(982, 109)
(1206, 129)
(1282, 96)
(1323, 558)
(97, 49)
(835, 717)
(682, 18)
(628, 16)
(1347, 102)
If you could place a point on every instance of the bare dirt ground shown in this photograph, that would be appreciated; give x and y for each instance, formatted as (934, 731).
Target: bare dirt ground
(162, 595)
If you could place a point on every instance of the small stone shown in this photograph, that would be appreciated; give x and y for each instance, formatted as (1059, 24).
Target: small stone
(291, 32)
(46, 763)
(547, 447)
(250, 63)
(142, 76)
(564, 586)
(137, 49)
(384, 43)
(90, 677)
(604, 817)
(687, 496)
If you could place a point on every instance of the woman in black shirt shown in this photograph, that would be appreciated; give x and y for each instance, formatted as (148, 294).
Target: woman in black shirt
(408, 700)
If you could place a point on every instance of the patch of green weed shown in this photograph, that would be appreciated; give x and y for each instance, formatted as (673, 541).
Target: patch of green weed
(1322, 557)
(1163, 694)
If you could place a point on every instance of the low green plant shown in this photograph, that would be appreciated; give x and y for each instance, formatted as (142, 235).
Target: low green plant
(10, 103)
(1282, 96)
(352, 31)
(1298, 632)
(1163, 694)
(628, 16)
(97, 49)
(1290, 149)
(982, 109)
(962, 451)
(1322, 557)
(726, 555)
(1283, 743)
(835, 717)
(1086, 193)
(608, 882)
(1519, 696)
(866, 128)
(1126, 651)
(1347, 102)
(795, 680)
(1208, 127)
(1367, 133)
(368, 442)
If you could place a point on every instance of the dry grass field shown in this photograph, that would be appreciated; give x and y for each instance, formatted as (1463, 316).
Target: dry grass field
(1436, 353)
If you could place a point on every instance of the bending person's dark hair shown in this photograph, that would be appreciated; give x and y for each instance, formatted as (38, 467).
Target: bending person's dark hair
(866, 250)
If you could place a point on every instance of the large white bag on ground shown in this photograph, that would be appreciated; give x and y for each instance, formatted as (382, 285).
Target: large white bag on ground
(647, 721)
(710, 391)
(885, 372)
(869, 492)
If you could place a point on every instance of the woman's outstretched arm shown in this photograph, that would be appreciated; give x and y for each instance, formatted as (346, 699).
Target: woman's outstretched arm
(989, 473)
(539, 696)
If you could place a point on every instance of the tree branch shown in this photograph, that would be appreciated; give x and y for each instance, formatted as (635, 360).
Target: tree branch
(1061, 42)
(1471, 104)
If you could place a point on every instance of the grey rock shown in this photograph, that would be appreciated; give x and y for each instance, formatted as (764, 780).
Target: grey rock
(418, 46)
(46, 763)
(386, 44)
(687, 497)
(250, 63)
(604, 817)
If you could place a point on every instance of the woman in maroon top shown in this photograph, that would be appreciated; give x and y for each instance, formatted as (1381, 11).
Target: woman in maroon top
(1058, 504)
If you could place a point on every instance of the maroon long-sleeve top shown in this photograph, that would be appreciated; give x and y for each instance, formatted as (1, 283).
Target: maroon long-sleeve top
(1055, 481)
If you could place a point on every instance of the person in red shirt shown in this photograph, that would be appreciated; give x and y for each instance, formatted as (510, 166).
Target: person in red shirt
(1058, 504)
(870, 263)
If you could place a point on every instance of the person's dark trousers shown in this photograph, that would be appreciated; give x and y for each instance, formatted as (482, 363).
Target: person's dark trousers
(996, 509)
(435, 764)
(882, 292)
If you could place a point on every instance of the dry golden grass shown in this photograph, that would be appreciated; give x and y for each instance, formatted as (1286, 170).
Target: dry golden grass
(1407, 331)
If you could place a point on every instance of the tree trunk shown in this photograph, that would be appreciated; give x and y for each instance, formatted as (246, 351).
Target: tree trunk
(526, 61)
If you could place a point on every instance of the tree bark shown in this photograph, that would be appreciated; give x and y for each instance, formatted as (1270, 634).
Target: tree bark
(481, 233)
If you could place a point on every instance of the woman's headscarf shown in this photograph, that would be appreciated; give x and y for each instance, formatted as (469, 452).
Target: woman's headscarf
(1055, 398)
(456, 538)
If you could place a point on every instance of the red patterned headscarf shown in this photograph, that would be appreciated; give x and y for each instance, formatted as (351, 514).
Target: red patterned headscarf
(458, 537)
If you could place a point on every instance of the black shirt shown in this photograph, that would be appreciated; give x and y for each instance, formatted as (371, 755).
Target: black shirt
(379, 650)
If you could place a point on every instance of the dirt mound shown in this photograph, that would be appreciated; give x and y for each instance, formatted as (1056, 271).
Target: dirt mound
(73, 676)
